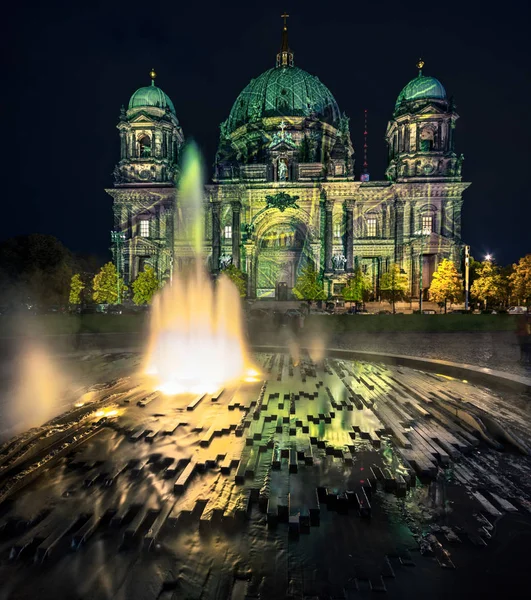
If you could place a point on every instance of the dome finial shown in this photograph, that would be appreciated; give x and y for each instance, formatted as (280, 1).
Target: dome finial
(420, 64)
(285, 56)
(152, 74)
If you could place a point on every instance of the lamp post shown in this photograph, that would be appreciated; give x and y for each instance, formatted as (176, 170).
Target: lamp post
(467, 274)
(118, 238)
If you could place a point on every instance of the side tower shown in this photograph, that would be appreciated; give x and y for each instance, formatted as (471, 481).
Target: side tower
(426, 176)
(144, 183)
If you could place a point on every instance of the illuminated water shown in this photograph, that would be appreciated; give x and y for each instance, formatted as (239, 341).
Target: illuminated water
(196, 341)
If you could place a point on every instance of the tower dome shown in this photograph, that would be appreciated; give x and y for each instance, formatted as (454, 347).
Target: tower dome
(421, 88)
(151, 95)
(284, 91)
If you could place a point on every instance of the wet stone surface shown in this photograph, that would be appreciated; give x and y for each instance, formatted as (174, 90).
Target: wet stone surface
(339, 479)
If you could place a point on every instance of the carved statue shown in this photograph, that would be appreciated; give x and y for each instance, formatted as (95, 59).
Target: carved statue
(282, 171)
(343, 127)
(224, 130)
(247, 231)
(339, 261)
(459, 167)
(118, 177)
(225, 260)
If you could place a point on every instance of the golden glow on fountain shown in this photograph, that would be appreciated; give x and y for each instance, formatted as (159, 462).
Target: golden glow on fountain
(196, 339)
(197, 343)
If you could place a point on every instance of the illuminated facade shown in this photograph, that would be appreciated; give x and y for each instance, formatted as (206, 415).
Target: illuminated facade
(284, 191)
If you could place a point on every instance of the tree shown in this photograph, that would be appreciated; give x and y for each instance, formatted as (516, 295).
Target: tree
(105, 285)
(308, 286)
(520, 280)
(238, 279)
(357, 287)
(76, 287)
(446, 284)
(145, 286)
(394, 285)
(489, 285)
(34, 269)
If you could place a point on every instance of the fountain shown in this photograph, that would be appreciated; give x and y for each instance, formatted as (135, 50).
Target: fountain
(196, 339)
(360, 460)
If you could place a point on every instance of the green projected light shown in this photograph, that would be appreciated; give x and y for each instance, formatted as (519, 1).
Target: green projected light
(420, 88)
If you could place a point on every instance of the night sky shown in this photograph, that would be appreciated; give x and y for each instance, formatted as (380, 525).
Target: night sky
(69, 66)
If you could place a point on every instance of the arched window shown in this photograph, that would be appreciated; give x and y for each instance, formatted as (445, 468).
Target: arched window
(144, 228)
(371, 226)
(427, 220)
(427, 138)
(144, 143)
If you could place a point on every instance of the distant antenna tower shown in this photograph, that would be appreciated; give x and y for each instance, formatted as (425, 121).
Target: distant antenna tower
(365, 174)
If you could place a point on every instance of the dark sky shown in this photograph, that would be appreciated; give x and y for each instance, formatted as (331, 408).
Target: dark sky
(69, 66)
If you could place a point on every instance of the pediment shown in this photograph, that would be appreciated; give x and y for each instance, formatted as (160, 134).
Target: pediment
(431, 109)
(142, 119)
(283, 146)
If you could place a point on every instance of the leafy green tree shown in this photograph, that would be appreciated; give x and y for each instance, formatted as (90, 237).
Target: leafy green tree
(489, 286)
(446, 284)
(520, 280)
(145, 286)
(105, 285)
(357, 287)
(237, 277)
(394, 285)
(76, 287)
(308, 286)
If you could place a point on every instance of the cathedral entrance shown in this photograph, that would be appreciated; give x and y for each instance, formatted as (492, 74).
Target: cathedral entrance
(279, 260)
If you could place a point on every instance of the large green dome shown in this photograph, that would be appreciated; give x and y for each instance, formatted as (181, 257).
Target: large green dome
(151, 95)
(283, 92)
(421, 88)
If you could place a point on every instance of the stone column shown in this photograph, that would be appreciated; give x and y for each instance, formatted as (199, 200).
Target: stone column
(123, 150)
(249, 267)
(451, 136)
(458, 204)
(157, 143)
(349, 235)
(216, 235)
(329, 241)
(236, 232)
(399, 229)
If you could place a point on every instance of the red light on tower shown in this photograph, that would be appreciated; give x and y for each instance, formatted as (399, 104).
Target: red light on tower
(365, 173)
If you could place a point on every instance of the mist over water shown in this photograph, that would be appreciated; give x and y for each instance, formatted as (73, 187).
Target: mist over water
(39, 390)
(196, 342)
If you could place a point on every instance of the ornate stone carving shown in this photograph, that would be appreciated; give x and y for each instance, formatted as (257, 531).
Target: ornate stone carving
(281, 201)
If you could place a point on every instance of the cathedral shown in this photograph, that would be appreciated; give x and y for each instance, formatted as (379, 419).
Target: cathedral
(284, 191)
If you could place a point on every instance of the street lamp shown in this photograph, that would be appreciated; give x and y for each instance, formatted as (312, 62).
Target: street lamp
(488, 257)
(467, 274)
(117, 239)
